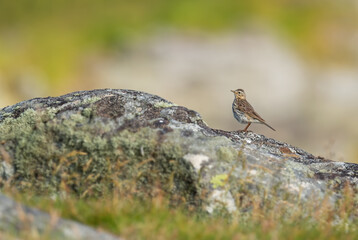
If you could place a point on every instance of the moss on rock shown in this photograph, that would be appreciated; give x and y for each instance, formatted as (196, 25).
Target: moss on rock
(72, 151)
(125, 142)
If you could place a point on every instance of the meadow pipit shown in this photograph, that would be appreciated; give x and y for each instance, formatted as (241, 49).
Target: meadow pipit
(244, 112)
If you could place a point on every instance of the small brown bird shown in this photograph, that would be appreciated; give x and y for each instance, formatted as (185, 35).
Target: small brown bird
(244, 112)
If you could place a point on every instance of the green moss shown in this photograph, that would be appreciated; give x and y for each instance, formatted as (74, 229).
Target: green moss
(6, 114)
(226, 154)
(91, 100)
(87, 112)
(11, 127)
(76, 155)
(49, 115)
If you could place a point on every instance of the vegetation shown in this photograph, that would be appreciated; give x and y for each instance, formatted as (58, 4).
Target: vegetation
(153, 219)
(56, 36)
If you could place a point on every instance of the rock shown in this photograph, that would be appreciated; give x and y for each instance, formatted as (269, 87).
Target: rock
(17, 218)
(130, 142)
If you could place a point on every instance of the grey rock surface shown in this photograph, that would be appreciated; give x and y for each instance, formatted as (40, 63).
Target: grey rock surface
(15, 218)
(132, 142)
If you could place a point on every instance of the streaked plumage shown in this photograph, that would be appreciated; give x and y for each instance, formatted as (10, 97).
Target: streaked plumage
(244, 112)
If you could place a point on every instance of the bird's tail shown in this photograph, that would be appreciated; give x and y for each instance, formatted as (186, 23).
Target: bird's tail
(269, 126)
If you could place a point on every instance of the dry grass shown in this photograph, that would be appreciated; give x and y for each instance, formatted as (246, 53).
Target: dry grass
(154, 218)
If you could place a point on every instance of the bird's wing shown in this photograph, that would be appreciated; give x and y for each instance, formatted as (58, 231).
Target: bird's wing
(245, 106)
(257, 116)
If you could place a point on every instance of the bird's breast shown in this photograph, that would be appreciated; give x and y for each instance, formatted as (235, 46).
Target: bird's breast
(239, 116)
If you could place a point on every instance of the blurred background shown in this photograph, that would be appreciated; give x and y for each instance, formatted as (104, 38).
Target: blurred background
(297, 60)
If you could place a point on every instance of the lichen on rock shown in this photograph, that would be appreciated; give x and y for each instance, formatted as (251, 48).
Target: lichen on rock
(92, 143)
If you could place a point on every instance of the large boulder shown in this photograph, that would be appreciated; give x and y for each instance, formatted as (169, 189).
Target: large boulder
(91, 143)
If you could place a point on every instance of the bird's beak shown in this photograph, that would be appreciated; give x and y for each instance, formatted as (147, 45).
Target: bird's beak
(232, 91)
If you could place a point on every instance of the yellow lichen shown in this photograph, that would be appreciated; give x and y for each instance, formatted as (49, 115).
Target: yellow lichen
(219, 180)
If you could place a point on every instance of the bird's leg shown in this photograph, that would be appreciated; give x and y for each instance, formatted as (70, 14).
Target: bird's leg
(248, 125)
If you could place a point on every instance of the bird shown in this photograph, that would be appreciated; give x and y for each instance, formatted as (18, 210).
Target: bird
(244, 112)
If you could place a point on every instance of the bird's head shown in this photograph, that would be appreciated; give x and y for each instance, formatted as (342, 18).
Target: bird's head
(239, 93)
